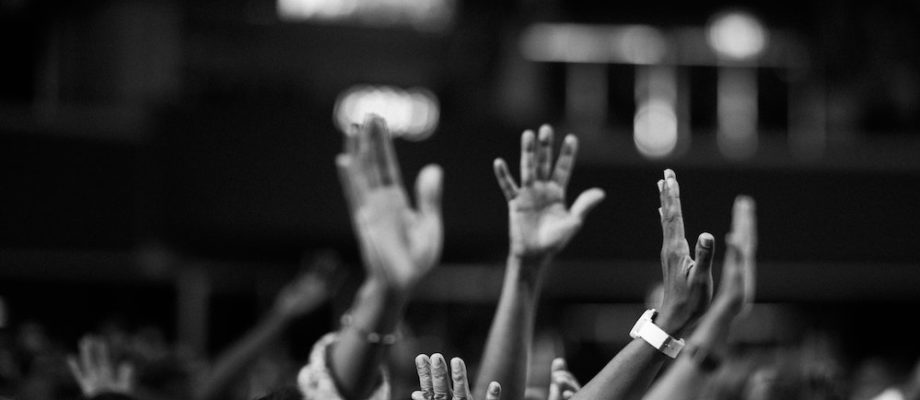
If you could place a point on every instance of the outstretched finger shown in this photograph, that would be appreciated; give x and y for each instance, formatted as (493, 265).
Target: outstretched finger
(104, 359)
(423, 367)
(744, 223)
(74, 366)
(528, 158)
(351, 139)
(347, 177)
(382, 165)
(566, 161)
(418, 395)
(744, 228)
(672, 220)
(87, 364)
(439, 377)
(461, 383)
(505, 181)
(428, 190)
(494, 392)
(585, 202)
(126, 374)
(705, 249)
(544, 152)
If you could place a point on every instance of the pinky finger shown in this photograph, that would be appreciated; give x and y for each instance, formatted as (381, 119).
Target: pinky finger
(505, 181)
(494, 392)
(418, 395)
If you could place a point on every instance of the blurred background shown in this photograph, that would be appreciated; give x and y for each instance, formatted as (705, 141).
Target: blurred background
(165, 166)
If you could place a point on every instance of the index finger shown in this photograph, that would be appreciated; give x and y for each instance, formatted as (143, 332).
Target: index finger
(385, 156)
(672, 219)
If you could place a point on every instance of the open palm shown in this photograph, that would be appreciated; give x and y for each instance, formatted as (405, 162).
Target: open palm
(400, 244)
(540, 222)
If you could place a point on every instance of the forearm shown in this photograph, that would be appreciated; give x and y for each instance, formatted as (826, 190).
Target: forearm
(354, 360)
(507, 350)
(627, 375)
(682, 381)
(686, 379)
(235, 360)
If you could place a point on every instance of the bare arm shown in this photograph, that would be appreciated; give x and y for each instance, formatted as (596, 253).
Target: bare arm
(297, 299)
(687, 290)
(399, 246)
(540, 225)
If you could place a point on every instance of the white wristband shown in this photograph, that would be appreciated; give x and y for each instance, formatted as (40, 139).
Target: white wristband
(655, 336)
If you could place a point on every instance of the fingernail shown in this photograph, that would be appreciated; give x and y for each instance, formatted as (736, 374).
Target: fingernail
(494, 388)
(437, 360)
(706, 241)
(455, 363)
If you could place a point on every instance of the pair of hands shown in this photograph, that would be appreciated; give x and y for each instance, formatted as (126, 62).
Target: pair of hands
(399, 244)
(688, 284)
(96, 371)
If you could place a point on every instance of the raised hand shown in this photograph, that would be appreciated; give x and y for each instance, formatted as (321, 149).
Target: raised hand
(96, 372)
(563, 384)
(687, 282)
(435, 385)
(736, 292)
(540, 223)
(400, 245)
(707, 344)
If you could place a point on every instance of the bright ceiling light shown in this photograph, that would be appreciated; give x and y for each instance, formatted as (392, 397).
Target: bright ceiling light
(412, 113)
(655, 129)
(737, 35)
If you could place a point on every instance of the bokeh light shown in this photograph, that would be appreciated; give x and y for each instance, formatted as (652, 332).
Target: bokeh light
(655, 129)
(412, 114)
(737, 35)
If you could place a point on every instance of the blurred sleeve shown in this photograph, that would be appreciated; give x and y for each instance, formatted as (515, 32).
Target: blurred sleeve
(315, 379)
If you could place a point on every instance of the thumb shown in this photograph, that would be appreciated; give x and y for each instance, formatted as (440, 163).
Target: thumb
(428, 188)
(705, 249)
(558, 365)
(586, 201)
(494, 392)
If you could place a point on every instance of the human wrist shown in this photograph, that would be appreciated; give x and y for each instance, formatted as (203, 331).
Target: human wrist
(528, 268)
(384, 291)
(670, 323)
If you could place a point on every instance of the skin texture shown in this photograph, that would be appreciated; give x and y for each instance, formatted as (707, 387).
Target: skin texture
(685, 379)
(399, 244)
(96, 372)
(687, 290)
(540, 225)
(434, 382)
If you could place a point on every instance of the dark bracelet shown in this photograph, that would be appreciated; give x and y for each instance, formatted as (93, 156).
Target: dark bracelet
(371, 337)
(702, 358)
